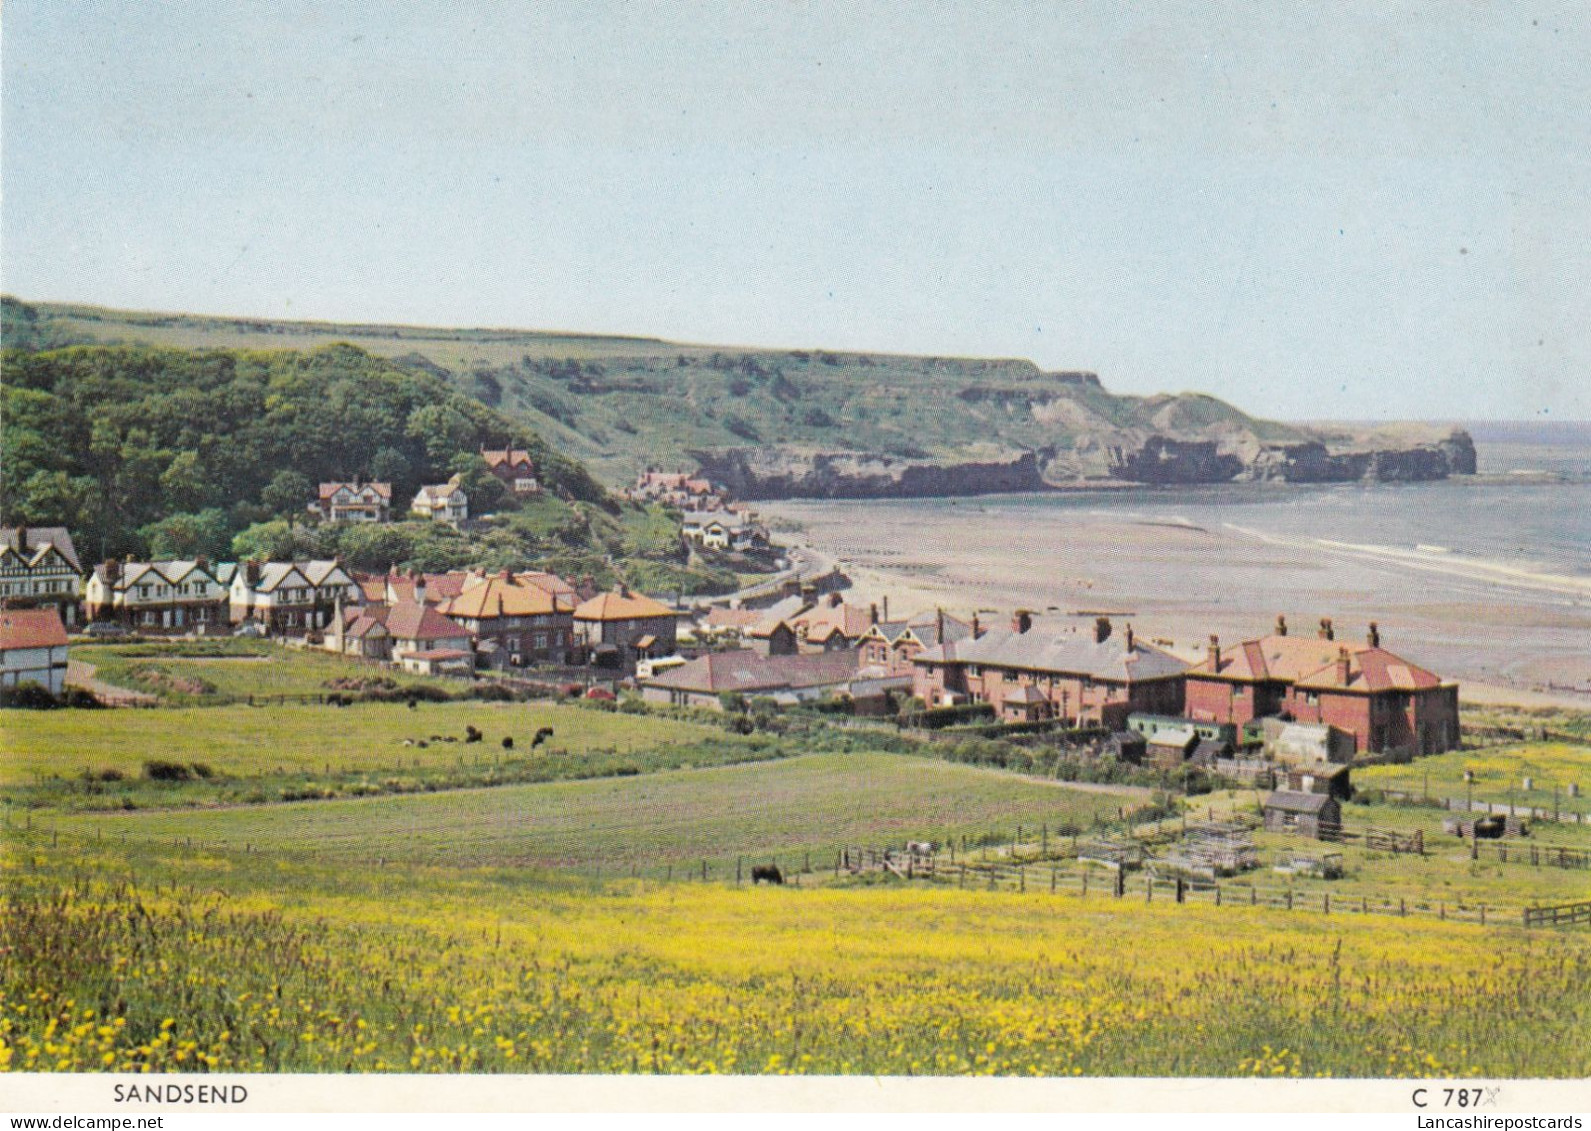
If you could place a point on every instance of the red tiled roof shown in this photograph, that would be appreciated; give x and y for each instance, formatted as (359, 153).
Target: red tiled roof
(409, 621)
(31, 628)
(512, 457)
(1370, 670)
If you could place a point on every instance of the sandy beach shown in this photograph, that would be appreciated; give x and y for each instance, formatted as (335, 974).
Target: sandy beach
(1510, 631)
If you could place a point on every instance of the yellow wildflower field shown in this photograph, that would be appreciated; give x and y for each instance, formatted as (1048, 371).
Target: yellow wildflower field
(281, 969)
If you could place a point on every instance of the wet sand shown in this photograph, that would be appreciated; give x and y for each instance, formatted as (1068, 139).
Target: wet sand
(1513, 632)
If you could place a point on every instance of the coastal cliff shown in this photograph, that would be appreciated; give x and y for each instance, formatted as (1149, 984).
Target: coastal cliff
(781, 473)
(775, 473)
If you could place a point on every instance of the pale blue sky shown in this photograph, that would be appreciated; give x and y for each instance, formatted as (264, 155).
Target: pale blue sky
(1361, 210)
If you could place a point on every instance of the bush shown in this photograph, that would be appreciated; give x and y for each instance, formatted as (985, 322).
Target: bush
(158, 770)
(29, 696)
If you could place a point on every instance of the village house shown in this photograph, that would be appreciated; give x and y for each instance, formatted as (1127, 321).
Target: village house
(786, 679)
(292, 598)
(389, 633)
(514, 621)
(618, 629)
(515, 468)
(33, 648)
(443, 502)
(1382, 700)
(39, 569)
(354, 502)
(895, 644)
(676, 489)
(1084, 679)
(168, 596)
(723, 530)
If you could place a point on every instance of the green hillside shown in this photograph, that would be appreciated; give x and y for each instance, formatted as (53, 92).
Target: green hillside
(620, 404)
(182, 449)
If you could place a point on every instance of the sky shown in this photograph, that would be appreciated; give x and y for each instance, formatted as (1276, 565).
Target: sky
(1363, 210)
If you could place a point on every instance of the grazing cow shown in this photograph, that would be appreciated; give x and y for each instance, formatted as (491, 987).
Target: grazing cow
(508, 742)
(542, 735)
(413, 704)
(921, 847)
(471, 734)
(766, 873)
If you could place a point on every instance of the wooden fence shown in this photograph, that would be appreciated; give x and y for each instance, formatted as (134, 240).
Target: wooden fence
(1564, 914)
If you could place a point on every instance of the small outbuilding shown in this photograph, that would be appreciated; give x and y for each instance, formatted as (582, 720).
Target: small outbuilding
(1124, 746)
(1317, 815)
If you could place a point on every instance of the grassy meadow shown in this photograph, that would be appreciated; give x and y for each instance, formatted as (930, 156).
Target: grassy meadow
(1499, 775)
(128, 959)
(218, 671)
(332, 896)
(675, 819)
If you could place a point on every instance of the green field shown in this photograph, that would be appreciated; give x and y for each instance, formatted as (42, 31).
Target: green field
(231, 670)
(1499, 775)
(810, 804)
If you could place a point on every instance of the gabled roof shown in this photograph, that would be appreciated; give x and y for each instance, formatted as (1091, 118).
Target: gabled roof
(510, 457)
(734, 618)
(31, 628)
(923, 628)
(1026, 694)
(1060, 654)
(435, 493)
(276, 575)
(751, 672)
(409, 621)
(822, 619)
(621, 606)
(327, 490)
(39, 539)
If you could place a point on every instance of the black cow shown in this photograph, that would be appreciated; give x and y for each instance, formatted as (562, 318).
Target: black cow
(542, 735)
(471, 734)
(508, 742)
(766, 873)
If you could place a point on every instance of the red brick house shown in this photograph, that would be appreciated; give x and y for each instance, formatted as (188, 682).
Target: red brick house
(524, 622)
(1087, 678)
(515, 468)
(895, 644)
(1382, 700)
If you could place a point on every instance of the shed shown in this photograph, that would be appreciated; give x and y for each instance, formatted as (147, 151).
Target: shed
(1125, 746)
(1320, 778)
(1317, 815)
(1306, 744)
(1208, 751)
(1170, 747)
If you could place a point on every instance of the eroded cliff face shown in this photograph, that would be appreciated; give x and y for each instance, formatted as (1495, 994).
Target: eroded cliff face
(777, 473)
(773, 473)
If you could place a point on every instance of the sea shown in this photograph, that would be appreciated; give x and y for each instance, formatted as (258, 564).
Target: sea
(1484, 578)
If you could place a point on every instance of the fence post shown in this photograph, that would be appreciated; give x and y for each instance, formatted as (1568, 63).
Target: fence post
(1289, 899)
(737, 871)
(1483, 914)
(1044, 838)
(1022, 877)
(1325, 903)
(1182, 889)
(1149, 889)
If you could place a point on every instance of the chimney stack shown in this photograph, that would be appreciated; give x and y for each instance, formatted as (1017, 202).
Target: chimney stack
(1128, 638)
(834, 600)
(22, 539)
(1101, 629)
(1326, 632)
(977, 627)
(113, 569)
(872, 613)
(1342, 666)
(1214, 653)
(939, 625)
(1373, 637)
(1281, 625)
(1021, 621)
(251, 573)
(886, 606)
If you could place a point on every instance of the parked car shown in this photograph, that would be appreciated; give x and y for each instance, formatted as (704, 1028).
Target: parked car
(250, 628)
(105, 630)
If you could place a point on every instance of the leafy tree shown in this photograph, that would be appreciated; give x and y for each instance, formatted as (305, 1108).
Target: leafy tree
(207, 533)
(289, 494)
